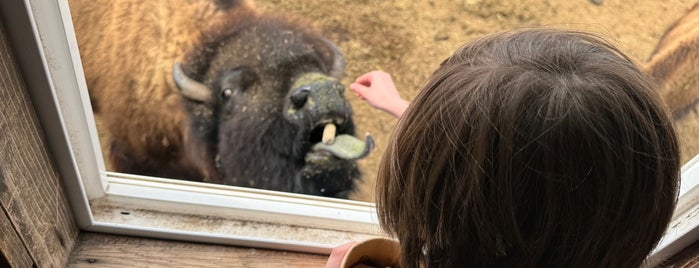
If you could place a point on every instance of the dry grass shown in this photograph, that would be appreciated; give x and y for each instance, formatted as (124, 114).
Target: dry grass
(409, 39)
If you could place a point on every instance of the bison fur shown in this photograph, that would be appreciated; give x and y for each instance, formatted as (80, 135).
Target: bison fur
(215, 91)
(674, 63)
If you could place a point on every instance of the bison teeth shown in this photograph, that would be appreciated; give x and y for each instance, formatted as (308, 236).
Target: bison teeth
(329, 133)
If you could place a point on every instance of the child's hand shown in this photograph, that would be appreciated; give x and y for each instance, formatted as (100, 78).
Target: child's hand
(378, 89)
(338, 254)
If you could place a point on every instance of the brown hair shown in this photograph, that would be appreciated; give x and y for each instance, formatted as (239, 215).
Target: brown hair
(532, 148)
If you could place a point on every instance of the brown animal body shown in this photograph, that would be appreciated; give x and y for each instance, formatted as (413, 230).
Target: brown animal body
(244, 107)
(674, 63)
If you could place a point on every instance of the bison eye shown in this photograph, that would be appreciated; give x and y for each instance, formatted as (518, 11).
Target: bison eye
(226, 93)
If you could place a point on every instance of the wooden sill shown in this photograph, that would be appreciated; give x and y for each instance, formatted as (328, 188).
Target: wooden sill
(103, 250)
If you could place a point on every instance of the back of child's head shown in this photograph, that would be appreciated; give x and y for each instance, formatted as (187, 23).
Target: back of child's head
(531, 148)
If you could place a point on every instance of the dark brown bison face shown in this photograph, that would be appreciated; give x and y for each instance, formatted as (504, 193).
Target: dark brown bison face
(260, 99)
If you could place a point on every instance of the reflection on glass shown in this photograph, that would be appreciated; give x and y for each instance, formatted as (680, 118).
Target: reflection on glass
(217, 92)
(239, 113)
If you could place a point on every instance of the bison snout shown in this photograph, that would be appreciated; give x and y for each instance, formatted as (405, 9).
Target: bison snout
(317, 96)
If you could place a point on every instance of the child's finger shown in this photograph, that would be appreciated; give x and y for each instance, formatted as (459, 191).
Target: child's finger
(359, 96)
(358, 89)
(365, 79)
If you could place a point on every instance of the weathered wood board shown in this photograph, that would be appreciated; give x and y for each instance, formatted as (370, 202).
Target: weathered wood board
(36, 222)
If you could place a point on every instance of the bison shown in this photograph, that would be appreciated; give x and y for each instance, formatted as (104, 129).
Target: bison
(674, 63)
(219, 92)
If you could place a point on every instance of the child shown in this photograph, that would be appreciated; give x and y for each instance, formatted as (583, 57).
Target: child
(536, 148)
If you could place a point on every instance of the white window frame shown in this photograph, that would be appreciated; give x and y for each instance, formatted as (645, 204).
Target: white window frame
(41, 32)
(683, 230)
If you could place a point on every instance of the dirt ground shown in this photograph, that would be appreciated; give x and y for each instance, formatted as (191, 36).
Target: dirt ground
(410, 38)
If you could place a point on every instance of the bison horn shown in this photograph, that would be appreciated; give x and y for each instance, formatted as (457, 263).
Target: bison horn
(189, 87)
(338, 68)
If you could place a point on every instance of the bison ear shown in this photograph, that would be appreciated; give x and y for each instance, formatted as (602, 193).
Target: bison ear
(337, 69)
(228, 4)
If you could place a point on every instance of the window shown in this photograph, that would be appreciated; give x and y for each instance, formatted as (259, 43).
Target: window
(683, 228)
(154, 207)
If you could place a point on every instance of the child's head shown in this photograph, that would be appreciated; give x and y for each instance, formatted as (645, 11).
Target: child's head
(537, 147)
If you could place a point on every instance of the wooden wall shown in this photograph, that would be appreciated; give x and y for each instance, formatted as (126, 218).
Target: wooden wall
(36, 224)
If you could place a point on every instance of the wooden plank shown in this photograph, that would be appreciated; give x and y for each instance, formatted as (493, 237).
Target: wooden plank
(30, 190)
(102, 250)
(11, 245)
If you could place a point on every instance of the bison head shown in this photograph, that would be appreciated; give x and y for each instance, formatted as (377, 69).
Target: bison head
(260, 94)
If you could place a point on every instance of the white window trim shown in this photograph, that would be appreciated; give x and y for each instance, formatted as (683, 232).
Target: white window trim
(42, 35)
(683, 230)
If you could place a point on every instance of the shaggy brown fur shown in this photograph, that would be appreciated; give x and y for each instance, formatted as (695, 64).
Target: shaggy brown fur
(675, 63)
(259, 135)
(115, 42)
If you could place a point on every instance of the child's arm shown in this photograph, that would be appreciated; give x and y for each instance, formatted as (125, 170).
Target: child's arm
(378, 89)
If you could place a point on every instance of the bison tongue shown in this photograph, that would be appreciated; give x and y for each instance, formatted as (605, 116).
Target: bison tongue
(347, 147)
